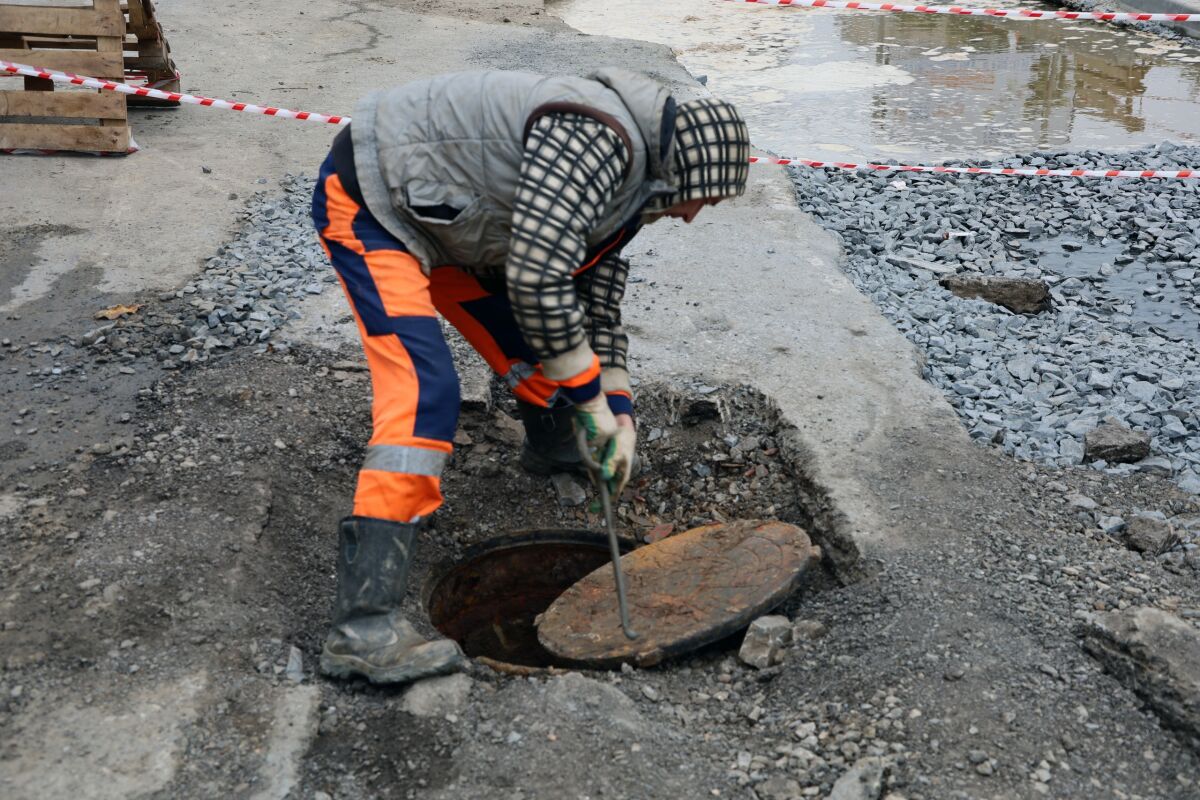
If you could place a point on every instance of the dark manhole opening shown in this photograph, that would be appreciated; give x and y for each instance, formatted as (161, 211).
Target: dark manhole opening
(488, 600)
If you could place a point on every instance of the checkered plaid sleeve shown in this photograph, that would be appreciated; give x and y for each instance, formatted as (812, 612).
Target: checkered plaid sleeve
(571, 170)
(600, 290)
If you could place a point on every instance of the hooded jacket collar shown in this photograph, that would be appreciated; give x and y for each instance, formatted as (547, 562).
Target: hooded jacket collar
(648, 100)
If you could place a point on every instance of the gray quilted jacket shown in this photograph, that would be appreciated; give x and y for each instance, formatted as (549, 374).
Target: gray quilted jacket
(438, 160)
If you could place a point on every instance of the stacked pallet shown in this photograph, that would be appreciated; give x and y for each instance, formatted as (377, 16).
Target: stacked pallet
(88, 40)
(147, 54)
(118, 40)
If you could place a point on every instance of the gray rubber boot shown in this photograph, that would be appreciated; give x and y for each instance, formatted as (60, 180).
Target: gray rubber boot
(369, 636)
(549, 439)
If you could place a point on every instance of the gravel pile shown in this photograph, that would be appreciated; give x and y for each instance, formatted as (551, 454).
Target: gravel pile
(708, 454)
(254, 284)
(1121, 258)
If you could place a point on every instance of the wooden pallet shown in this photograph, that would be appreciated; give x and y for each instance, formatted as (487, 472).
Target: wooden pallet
(87, 40)
(147, 54)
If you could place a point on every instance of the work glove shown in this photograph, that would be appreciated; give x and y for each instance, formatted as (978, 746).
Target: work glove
(610, 445)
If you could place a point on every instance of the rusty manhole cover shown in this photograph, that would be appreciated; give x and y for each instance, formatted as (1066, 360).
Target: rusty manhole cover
(684, 592)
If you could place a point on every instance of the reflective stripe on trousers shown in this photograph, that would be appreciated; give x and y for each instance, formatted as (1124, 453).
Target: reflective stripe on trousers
(405, 460)
(415, 388)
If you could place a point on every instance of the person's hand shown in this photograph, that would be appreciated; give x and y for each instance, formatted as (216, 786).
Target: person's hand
(609, 441)
(624, 454)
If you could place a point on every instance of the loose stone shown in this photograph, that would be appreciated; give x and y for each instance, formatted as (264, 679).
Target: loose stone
(765, 641)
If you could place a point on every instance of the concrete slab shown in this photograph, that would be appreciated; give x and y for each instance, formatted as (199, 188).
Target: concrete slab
(295, 726)
(752, 292)
(128, 747)
(78, 230)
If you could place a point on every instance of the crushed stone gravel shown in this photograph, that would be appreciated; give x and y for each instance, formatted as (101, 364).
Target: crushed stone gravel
(1121, 257)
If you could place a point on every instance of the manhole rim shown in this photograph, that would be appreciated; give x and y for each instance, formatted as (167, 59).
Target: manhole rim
(442, 568)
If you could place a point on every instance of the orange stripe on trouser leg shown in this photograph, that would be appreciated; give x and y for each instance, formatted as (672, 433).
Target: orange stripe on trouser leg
(451, 287)
(394, 387)
(393, 495)
(340, 210)
(403, 287)
(456, 285)
(396, 392)
(396, 496)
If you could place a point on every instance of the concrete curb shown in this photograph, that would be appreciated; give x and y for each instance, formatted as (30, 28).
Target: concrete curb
(752, 292)
(1162, 7)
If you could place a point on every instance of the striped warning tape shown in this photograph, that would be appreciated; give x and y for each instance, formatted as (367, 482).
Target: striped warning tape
(145, 91)
(111, 86)
(1027, 172)
(963, 11)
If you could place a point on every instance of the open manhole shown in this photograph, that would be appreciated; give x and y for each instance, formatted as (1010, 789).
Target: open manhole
(547, 598)
(489, 599)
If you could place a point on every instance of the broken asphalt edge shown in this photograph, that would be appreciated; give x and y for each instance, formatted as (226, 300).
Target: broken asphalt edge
(761, 299)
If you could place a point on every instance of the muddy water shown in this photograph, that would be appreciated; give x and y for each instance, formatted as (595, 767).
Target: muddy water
(1146, 293)
(854, 86)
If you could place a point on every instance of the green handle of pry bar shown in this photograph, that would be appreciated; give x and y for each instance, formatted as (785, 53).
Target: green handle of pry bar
(606, 504)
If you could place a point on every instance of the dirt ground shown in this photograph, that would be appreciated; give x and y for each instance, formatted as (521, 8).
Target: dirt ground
(169, 539)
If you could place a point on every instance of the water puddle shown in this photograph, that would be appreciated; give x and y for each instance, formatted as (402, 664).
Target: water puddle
(836, 85)
(1146, 295)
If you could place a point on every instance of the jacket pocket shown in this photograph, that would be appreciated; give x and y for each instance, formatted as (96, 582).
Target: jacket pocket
(440, 204)
(453, 216)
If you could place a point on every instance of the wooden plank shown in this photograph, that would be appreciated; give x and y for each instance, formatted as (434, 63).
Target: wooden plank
(148, 65)
(112, 45)
(64, 137)
(137, 13)
(85, 105)
(147, 51)
(150, 47)
(146, 28)
(81, 62)
(59, 42)
(111, 8)
(97, 21)
(140, 45)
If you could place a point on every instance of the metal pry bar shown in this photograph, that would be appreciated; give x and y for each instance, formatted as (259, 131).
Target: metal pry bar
(614, 547)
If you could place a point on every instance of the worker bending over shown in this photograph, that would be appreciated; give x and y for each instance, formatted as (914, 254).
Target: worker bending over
(501, 201)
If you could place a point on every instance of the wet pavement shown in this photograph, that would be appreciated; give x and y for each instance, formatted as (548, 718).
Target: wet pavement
(1151, 295)
(843, 85)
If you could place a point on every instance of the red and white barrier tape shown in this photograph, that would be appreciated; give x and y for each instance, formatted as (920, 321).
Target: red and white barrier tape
(143, 91)
(1004, 13)
(123, 88)
(1026, 172)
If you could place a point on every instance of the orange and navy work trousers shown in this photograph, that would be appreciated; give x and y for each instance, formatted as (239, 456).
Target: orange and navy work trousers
(415, 388)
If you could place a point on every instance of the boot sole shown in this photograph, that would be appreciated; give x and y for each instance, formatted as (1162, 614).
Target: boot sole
(344, 666)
